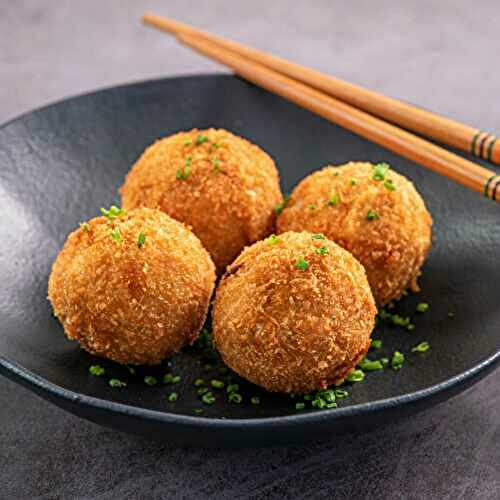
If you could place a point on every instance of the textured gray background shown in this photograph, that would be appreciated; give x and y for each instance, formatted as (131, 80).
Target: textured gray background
(442, 55)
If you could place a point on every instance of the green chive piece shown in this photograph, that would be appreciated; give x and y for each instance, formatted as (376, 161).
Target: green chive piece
(341, 393)
(199, 382)
(198, 410)
(272, 240)
(336, 174)
(169, 378)
(201, 139)
(372, 215)
(379, 171)
(397, 360)
(131, 369)
(232, 387)
(114, 382)
(216, 145)
(312, 206)
(376, 344)
(150, 380)
(322, 250)
(422, 307)
(355, 376)
(188, 142)
(334, 200)
(235, 397)
(217, 384)
(113, 212)
(141, 240)
(208, 398)
(370, 366)
(172, 397)
(388, 184)
(353, 182)
(116, 235)
(411, 327)
(85, 226)
(308, 397)
(318, 236)
(280, 206)
(302, 264)
(202, 390)
(384, 361)
(422, 347)
(96, 370)
(300, 406)
(255, 400)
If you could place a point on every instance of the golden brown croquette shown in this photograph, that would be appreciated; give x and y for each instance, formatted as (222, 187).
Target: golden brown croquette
(132, 287)
(221, 185)
(374, 213)
(293, 313)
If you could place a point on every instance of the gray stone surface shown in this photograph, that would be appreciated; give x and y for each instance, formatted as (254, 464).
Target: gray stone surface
(440, 55)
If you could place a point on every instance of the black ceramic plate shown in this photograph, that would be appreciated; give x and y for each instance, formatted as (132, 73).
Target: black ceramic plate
(59, 164)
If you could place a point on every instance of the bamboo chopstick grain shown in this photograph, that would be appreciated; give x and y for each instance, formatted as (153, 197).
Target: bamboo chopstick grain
(454, 167)
(444, 130)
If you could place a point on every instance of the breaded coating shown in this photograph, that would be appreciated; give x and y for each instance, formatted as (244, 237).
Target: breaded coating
(224, 187)
(374, 213)
(293, 313)
(134, 287)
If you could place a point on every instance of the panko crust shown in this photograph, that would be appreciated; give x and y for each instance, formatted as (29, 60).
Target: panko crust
(128, 303)
(392, 247)
(291, 330)
(228, 196)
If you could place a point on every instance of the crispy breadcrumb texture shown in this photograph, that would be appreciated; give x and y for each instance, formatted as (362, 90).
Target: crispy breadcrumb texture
(380, 219)
(133, 288)
(221, 185)
(293, 314)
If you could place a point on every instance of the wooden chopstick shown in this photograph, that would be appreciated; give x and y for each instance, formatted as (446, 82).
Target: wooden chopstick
(444, 130)
(419, 150)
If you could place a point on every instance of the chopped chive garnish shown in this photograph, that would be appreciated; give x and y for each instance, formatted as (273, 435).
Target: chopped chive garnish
(334, 200)
(322, 250)
(411, 327)
(202, 390)
(97, 370)
(208, 398)
(234, 397)
(232, 387)
(422, 307)
(372, 215)
(116, 235)
(141, 240)
(355, 376)
(150, 380)
(169, 378)
(280, 206)
(379, 171)
(300, 406)
(85, 227)
(201, 139)
(397, 360)
(353, 182)
(172, 397)
(272, 240)
(114, 382)
(183, 174)
(312, 206)
(113, 212)
(217, 384)
(318, 236)
(131, 369)
(302, 264)
(199, 382)
(370, 366)
(255, 400)
(198, 410)
(188, 142)
(376, 344)
(336, 174)
(384, 361)
(388, 184)
(341, 393)
(422, 347)
(216, 145)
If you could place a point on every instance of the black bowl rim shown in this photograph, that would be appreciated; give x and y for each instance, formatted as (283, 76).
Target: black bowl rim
(39, 384)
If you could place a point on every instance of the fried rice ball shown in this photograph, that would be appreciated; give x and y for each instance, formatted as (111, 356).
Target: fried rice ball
(293, 313)
(132, 287)
(374, 213)
(221, 185)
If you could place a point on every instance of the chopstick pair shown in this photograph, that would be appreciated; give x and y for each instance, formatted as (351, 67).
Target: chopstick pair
(318, 93)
